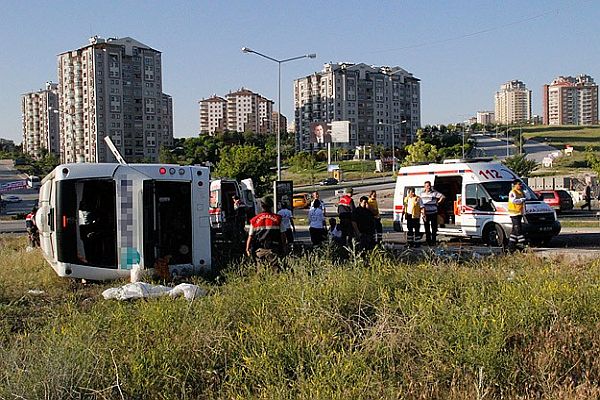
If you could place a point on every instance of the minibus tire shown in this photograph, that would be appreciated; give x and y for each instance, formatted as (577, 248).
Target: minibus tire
(493, 235)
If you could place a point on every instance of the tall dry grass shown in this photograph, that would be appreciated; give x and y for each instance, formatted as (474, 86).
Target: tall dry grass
(365, 328)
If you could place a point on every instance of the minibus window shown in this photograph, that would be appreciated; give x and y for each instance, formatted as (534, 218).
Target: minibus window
(86, 228)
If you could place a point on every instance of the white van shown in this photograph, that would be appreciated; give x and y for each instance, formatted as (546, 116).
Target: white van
(97, 221)
(476, 204)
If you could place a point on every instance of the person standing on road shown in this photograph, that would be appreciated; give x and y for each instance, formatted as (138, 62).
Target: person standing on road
(431, 200)
(265, 239)
(413, 211)
(287, 224)
(32, 230)
(374, 207)
(345, 209)
(316, 223)
(516, 209)
(588, 198)
(365, 221)
(316, 196)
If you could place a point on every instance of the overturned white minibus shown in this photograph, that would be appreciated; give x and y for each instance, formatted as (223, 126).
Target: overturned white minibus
(97, 221)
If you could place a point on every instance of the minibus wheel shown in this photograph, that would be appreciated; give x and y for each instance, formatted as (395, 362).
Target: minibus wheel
(493, 235)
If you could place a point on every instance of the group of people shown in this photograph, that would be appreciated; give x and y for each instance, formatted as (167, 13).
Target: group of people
(271, 234)
(422, 208)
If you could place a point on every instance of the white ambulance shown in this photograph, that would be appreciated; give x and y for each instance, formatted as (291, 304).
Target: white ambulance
(476, 204)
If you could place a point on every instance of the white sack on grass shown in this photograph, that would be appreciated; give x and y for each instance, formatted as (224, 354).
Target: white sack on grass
(141, 290)
(189, 291)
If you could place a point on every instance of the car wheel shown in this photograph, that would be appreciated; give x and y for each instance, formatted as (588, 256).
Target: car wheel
(493, 235)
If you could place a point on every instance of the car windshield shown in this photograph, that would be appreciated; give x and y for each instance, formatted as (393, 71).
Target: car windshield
(499, 190)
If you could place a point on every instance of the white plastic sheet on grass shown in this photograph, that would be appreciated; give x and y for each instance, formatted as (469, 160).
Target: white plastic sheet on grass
(141, 290)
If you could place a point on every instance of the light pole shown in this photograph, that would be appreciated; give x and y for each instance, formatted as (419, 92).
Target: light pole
(393, 141)
(279, 62)
(71, 117)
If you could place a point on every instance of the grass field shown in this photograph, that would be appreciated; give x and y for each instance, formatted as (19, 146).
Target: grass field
(580, 137)
(365, 328)
(352, 170)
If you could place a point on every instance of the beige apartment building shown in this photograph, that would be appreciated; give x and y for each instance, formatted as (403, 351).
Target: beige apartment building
(112, 87)
(282, 122)
(39, 112)
(485, 117)
(239, 111)
(513, 103)
(377, 101)
(571, 101)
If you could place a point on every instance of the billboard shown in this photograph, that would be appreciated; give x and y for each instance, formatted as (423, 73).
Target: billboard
(284, 193)
(330, 132)
(340, 131)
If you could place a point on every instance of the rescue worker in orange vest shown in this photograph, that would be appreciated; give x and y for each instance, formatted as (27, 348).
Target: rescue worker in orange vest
(265, 239)
(516, 209)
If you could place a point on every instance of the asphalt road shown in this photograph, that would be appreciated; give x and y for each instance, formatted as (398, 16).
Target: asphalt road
(488, 145)
(29, 197)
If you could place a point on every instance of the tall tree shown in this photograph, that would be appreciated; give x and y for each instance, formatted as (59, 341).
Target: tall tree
(241, 162)
(420, 151)
(520, 165)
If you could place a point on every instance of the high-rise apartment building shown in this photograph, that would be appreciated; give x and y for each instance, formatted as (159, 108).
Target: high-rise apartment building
(112, 87)
(377, 101)
(167, 121)
(239, 111)
(513, 103)
(40, 121)
(282, 122)
(571, 101)
(485, 117)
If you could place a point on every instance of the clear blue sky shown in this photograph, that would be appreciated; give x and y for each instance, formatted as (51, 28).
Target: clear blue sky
(461, 50)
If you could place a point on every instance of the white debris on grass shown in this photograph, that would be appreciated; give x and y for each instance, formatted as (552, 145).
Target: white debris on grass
(142, 290)
(35, 292)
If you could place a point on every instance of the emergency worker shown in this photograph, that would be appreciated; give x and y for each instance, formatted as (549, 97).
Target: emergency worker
(413, 210)
(265, 239)
(516, 209)
(345, 209)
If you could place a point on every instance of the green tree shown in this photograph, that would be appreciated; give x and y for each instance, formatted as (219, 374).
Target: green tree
(241, 162)
(520, 165)
(420, 151)
(592, 159)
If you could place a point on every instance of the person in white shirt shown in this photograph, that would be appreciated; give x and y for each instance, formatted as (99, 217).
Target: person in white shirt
(335, 233)
(287, 223)
(316, 222)
(316, 196)
(431, 199)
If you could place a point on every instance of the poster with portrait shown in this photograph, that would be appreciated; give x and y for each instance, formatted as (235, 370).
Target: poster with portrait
(319, 132)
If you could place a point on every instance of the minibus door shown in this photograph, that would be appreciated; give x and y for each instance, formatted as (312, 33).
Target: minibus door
(167, 222)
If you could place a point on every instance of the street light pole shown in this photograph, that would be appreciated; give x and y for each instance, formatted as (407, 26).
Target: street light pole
(279, 62)
(393, 141)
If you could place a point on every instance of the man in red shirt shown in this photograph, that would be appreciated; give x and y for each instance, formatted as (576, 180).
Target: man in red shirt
(265, 238)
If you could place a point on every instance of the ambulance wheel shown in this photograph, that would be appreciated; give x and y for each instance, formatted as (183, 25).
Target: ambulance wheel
(493, 235)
